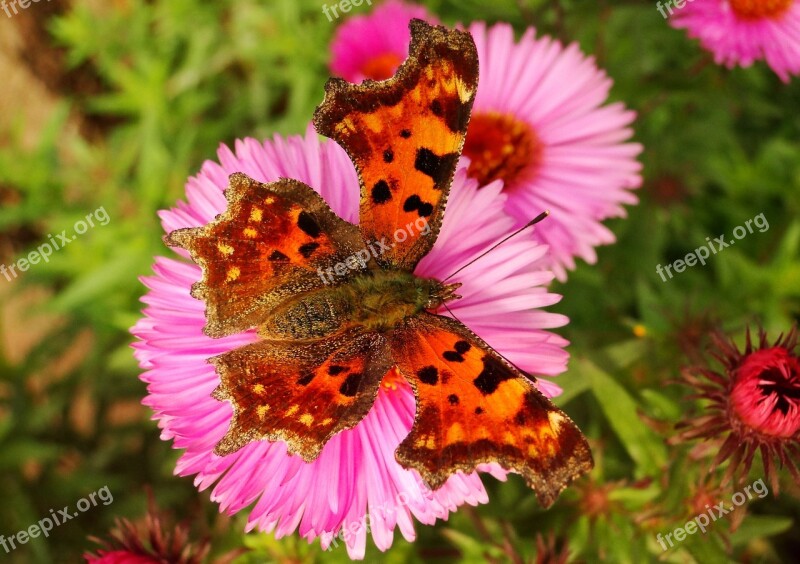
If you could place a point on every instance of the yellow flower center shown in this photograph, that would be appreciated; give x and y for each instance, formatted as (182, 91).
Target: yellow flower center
(500, 146)
(382, 66)
(759, 9)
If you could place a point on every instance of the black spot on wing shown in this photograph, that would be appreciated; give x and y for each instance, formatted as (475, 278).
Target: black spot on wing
(453, 399)
(428, 375)
(350, 385)
(492, 374)
(335, 369)
(458, 352)
(453, 112)
(278, 256)
(308, 249)
(437, 167)
(388, 155)
(381, 192)
(453, 356)
(305, 379)
(415, 203)
(309, 225)
(405, 134)
(478, 410)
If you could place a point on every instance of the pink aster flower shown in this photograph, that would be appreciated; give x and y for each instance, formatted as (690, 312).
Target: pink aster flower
(373, 46)
(540, 124)
(739, 32)
(355, 486)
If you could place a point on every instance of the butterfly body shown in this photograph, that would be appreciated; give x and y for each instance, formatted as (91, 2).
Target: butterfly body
(324, 349)
(375, 300)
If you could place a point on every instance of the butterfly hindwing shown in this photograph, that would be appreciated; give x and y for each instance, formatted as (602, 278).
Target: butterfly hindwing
(405, 137)
(473, 407)
(267, 246)
(301, 393)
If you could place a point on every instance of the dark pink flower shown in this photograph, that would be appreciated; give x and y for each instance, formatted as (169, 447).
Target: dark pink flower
(754, 405)
(153, 541)
(373, 46)
(766, 393)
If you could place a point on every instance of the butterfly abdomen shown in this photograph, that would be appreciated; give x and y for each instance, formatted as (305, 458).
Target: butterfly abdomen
(310, 316)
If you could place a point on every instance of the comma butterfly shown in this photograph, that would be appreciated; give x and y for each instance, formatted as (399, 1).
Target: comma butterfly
(324, 348)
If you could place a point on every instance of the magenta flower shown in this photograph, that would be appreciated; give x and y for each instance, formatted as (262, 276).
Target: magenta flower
(355, 486)
(753, 405)
(540, 125)
(373, 46)
(740, 32)
(766, 394)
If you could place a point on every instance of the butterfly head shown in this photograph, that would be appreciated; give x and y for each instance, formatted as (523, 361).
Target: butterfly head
(438, 293)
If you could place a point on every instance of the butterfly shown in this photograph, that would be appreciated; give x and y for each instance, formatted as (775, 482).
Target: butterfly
(335, 312)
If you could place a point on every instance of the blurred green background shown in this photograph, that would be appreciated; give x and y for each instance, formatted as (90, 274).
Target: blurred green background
(115, 103)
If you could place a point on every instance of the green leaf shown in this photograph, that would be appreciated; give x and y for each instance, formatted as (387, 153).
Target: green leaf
(620, 409)
(760, 526)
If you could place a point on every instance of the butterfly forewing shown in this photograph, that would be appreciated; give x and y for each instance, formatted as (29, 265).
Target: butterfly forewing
(268, 246)
(405, 137)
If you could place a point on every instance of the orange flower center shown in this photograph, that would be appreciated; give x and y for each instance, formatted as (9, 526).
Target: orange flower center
(759, 9)
(500, 146)
(382, 66)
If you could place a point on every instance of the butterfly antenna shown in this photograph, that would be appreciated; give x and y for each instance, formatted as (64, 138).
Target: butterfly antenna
(531, 223)
(498, 353)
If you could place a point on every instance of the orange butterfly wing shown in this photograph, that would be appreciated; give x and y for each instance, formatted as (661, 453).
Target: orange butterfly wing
(473, 407)
(405, 136)
(300, 392)
(265, 247)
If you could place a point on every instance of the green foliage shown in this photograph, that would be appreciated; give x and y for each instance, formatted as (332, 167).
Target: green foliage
(179, 77)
